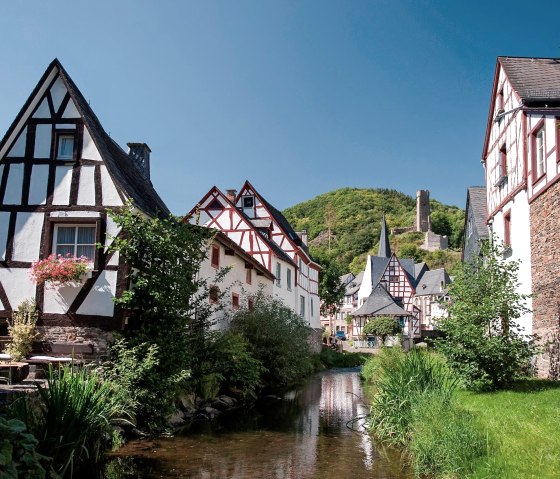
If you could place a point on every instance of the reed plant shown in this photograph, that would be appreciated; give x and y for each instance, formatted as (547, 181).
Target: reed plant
(399, 383)
(72, 417)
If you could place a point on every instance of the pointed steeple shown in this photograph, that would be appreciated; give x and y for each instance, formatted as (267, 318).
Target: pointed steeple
(384, 245)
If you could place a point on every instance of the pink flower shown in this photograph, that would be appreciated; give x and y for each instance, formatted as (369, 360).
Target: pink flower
(59, 270)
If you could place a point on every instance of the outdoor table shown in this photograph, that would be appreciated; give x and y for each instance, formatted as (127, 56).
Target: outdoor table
(16, 371)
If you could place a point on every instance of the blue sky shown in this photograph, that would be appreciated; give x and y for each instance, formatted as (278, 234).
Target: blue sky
(299, 97)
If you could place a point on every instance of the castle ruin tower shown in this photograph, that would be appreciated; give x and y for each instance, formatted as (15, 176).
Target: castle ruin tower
(422, 210)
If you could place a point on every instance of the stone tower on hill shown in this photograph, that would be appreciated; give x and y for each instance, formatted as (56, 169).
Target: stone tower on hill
(422, 210)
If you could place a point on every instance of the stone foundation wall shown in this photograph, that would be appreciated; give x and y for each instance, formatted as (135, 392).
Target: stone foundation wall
(545, 272)
(315, 339)
(77, 334)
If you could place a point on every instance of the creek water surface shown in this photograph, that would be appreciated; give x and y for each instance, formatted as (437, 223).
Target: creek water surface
(309, 433)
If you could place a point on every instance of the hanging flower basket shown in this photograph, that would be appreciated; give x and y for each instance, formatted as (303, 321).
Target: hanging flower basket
(60, 270)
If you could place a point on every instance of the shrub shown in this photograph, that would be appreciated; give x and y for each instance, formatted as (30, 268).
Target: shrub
(387, 360)
(398, 384)
(334, 359)
(229, 357)
(482, 342)
(18, 452)
(22, 330)
(278, 338)
(382, 326)
(444, 438)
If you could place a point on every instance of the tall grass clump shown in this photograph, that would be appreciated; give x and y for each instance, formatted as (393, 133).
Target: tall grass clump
(72, 418)
(413, 406)
(399, 382)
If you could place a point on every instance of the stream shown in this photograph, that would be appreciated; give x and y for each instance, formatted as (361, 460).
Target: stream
(310, 432)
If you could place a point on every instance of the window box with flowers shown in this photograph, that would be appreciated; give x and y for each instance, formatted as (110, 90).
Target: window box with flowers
(58, 270)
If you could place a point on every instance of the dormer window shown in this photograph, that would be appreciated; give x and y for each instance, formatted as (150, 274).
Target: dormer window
(248, 202)
(65, 147)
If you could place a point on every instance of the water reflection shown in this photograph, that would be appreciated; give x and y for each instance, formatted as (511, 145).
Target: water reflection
(303, 436)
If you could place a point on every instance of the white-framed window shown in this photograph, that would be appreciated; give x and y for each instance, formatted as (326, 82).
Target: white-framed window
(289, 279)
(539, 152)
(278, 274)
(302, 306)
(65, 147)
(75, 240)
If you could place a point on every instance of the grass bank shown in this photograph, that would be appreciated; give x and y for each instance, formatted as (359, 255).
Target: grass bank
(334, 359)
(523, 427)
(448, 432)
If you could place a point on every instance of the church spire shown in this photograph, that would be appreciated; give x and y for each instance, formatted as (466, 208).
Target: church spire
(384, 245)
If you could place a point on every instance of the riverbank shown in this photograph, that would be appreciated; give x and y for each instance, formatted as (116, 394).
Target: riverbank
(522, 425)
(448, 432)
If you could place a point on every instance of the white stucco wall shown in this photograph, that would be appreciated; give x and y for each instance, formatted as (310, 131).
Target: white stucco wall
(43, 137)
(100, 299)
(20, 285)
(38, 185)
(520, 246)
(27, 237)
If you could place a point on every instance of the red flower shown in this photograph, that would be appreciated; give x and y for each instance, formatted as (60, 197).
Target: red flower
(60, 270)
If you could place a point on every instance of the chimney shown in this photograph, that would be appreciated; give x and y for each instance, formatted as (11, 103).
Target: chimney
(303, 236)
(231, 195)
(140, 153)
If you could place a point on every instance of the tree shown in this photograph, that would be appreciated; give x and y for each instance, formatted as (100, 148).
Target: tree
(382, 326)
(331, 221)
(483, 342)
(168, 308)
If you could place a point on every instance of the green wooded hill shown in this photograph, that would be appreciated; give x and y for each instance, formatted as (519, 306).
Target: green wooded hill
(350, 220)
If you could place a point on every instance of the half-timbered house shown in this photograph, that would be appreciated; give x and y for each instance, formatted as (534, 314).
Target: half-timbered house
(244, 279)
(59, 173)
(401, 288)
(521, 159)
(263, 232)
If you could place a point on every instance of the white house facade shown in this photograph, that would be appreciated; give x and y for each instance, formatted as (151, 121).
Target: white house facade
(59, 173)
(522, 167)
(263, 233)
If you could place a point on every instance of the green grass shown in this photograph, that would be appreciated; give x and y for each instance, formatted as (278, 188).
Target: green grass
(523, 428)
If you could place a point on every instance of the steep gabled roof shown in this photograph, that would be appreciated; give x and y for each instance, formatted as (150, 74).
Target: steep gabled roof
(380, 303)
(534, 79)
(378, 267)
(353, 286)
(384, 245)
(430, 283)
(476, 199)
(122, 168)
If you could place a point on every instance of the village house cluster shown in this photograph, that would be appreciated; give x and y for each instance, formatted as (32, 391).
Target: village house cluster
(59, 174)
(395, 287)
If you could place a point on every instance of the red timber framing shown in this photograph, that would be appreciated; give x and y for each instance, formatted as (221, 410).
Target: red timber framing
(398, 285)
(215, 210)
(262, 210)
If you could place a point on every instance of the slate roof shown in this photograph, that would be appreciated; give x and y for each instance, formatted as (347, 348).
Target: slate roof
(346, 278)
(380, 303)
(378, 267)
(409, 267)
(384, 245)
(430, 282)
(122, 168)
(534, 79)
(476, 198)
(354, 285)
(419, 268)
